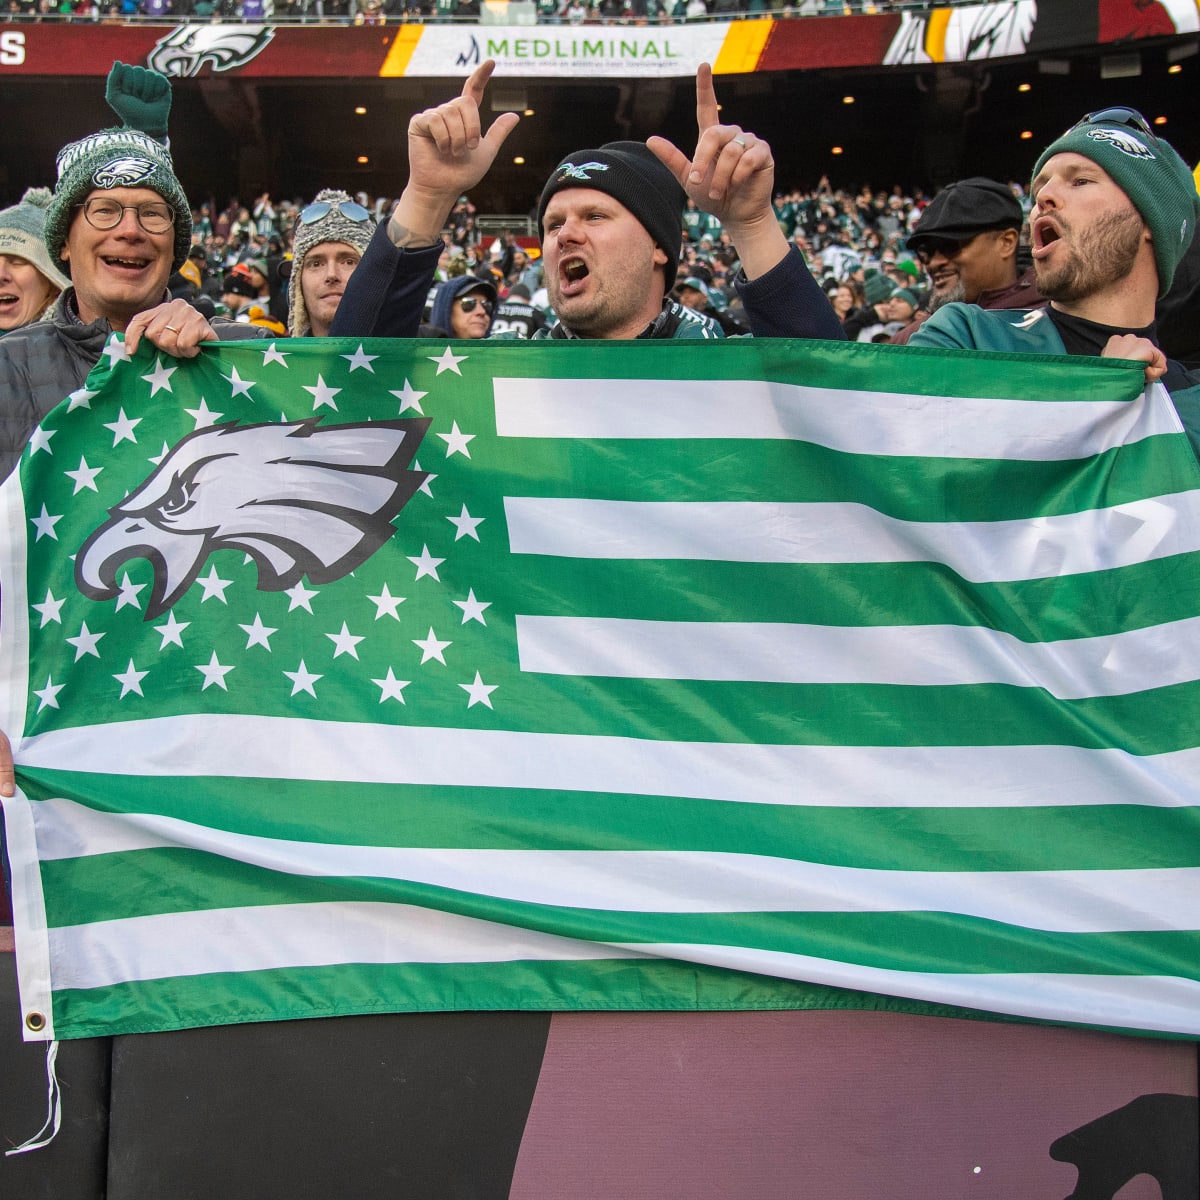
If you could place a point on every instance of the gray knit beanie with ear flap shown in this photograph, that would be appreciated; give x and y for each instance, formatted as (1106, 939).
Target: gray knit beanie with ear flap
(135, 155)
(22, 234)
(333, 226)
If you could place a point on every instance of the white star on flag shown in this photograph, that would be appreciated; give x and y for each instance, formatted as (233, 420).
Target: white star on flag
(298, 597)
(359, 359)
(271, 355)
(472, 609)
(131, 680)
(50, 609)
(45, 525)
(447, 361)
(213, 672)
(80, 398)
(431, 647)
(157, 458)
(344, 642)
(409, 397)
(391, 688)
(239, 386)
(323, 394)
(479, 692)
(160, 378)
(85, 643)
(456, 441)
(116, 351)
(430, 476)
(385, 603)
(259, 634)
(213, 586)
(49, 694)
(84, 476)
(203, 416)
(465, 524)
(303, 679)
(171, 632)
(129, 594)
(426, 564)
(40, 440)
(122, 428)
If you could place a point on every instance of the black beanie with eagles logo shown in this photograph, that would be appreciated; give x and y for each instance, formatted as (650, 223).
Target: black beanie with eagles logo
(630, 173)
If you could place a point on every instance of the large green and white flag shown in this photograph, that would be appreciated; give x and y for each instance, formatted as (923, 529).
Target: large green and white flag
(401, 676)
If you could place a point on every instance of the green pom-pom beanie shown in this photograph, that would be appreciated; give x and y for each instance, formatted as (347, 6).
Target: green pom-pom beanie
(135, 154)
(1149, 171)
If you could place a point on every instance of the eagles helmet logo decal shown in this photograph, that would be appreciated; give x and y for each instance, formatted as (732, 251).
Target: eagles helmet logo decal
(185, 50)
(301, 499)
(580, 170)
(1125, 142)
(127, 171)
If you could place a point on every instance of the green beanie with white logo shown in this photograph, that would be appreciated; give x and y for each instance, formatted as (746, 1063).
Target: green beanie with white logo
(1149, 171)
(135, 155)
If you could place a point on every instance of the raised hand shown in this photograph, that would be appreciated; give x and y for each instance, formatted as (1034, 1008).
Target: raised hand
(731, 174)
(447, 154)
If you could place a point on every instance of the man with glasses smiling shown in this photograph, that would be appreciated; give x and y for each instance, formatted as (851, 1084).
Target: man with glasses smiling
(968, 239)
(1115, 210)
(119, 224)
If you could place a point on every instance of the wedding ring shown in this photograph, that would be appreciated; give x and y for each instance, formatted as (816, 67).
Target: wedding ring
(741, 141)
(173, 328)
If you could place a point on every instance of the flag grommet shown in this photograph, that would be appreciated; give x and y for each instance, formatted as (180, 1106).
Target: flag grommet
(35, 1022)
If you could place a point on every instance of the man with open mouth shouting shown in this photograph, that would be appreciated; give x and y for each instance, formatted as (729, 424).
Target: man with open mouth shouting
(611, 224)
(1115, 209)
(117, 225)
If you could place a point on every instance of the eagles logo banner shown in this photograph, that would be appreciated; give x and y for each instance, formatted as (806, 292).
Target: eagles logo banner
(347, 678)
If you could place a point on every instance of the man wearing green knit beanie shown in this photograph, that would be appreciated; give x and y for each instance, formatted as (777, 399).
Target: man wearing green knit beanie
(1115, 209)
(117, 224)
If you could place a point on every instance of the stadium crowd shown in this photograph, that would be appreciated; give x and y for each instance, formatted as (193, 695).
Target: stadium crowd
(378, 12)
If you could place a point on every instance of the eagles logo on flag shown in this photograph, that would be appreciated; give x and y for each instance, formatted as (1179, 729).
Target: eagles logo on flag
(301, 499)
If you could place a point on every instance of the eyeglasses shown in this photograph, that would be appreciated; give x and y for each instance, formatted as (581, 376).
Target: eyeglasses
(1130, 118)
(102, 213)
(946, 247)
(468, 303)
(322, 208)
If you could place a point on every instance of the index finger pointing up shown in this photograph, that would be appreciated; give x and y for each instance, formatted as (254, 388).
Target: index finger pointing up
(706, 98)
(477, 81)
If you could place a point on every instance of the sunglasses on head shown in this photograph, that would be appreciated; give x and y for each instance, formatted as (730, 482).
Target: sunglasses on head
(467, 303)
(322, 208)
(1129, 118)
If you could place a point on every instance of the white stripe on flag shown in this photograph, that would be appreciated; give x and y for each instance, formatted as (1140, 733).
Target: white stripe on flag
(913, 655)
(858, 422)
(293, 935)
(979, 551)
(235, 746)
(315, 935)
(1160, 1003)
(663, 881)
